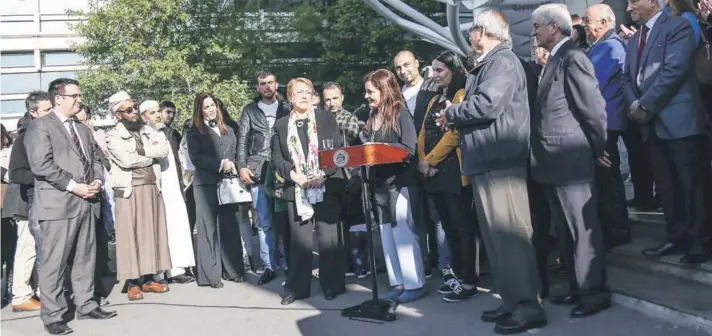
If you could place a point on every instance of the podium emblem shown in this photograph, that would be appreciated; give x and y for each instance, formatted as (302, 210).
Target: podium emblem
(341, 158)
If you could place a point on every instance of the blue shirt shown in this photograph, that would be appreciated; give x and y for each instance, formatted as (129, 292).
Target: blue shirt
(608, 58)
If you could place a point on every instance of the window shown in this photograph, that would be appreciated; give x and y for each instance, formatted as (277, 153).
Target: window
(55, 27)
(17, 60)
(14, 106)
(47, 77)
(61, 58)
(18, 27)
(19, 83)
(61, 7)
(20, 7)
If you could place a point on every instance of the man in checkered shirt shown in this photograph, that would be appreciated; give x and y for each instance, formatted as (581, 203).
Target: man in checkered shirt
(333, 102)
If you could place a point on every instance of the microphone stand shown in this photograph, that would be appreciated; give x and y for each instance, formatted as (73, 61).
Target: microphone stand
(374, 309)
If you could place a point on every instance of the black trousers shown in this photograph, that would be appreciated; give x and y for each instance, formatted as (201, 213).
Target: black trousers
(541, 225)
(455, 211)
(612, 208)
(218, 240)
(190, 207)
(102, 260)
(640, 163)
(682, 171)
(9, 244)
(424, 227)
(332, 269)
(280, 224)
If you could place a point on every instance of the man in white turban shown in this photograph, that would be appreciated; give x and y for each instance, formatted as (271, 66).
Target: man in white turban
(180, 242)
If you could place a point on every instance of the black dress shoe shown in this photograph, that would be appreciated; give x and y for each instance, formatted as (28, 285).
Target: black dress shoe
(329, 295)
(691, 259)
(664, 249)
(589, 309)
(217, 285)
(237, 279)
(289, 299)
(492, 316)
(96, 314)
(512, 325)
(181, 279)
(266, 277)
(58, 328)
(565, 300)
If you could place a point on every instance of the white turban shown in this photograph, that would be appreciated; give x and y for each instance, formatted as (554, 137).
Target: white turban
(147, 105)
(116, 99)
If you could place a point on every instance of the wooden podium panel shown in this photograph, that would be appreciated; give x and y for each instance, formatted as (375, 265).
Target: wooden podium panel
(368, 154)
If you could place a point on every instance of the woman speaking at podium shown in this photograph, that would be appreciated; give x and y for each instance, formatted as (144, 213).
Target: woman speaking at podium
(390, 122)
(312, 194)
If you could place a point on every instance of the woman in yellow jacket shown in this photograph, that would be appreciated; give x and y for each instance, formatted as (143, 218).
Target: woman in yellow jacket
(440, 160)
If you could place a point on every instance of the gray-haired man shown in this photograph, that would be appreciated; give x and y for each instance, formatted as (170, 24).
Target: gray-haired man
(493, 122)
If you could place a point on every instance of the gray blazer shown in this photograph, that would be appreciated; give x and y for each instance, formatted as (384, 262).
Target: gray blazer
(664, 83)
(55, 160)
(569, 120)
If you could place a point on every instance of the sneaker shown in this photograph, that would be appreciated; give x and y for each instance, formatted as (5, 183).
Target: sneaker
(394, 294)
(448, 278)
(428, 274)
(412, 295)
(363, 273)
(350, 274)
(460, 293)
(260, 270)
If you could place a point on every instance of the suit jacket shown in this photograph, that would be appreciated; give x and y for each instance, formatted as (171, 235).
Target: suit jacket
(207, 152)
(55, 161)
(569, 120)
(664, 82)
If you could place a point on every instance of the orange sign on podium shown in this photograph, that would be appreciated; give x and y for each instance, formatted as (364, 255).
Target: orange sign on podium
(374, 153)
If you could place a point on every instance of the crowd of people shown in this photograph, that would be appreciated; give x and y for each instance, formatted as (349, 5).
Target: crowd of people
(520, 155)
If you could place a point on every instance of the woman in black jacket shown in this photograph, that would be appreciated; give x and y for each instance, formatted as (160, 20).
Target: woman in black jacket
(212, 146)
(390, 122)
(312, 194)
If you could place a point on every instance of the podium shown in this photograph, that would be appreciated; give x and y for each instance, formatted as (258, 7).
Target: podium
(362, 156)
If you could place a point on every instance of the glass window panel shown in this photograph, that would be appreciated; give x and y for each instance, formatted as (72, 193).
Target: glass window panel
(17, 60)
(55, 27)
(14, 106)
(47, 77)
(19, 83)
(61, 7)
(19, 7)
(61, 58)
(18, 27)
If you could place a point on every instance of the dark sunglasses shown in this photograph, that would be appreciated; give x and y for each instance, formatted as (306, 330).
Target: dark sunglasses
(130, 109)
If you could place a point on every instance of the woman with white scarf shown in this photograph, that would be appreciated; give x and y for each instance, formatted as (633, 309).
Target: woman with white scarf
(311, 193)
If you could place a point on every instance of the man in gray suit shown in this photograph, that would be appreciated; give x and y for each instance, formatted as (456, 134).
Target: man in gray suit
(493, 122)
(68, 176)
(568, 140)
(663, 93)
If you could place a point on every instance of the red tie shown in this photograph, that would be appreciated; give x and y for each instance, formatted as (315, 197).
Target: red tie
(641, 45)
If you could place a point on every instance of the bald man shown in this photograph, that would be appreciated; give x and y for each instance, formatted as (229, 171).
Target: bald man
(408, 70)
(608, 56)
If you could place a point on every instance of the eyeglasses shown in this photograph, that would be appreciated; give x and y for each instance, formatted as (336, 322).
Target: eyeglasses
(129, 110)
(75, 96)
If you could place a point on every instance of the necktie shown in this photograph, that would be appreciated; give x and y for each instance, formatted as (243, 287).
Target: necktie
(641, 45)
(86, 171)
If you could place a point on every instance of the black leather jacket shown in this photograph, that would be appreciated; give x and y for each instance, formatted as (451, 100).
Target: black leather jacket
(254, 135)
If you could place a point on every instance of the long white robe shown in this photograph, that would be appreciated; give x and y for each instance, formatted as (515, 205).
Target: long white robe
(180, 242)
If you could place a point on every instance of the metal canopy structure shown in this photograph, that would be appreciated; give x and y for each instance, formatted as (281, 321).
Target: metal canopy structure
(452, 37)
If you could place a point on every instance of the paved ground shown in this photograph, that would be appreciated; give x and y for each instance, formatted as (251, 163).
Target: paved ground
(246, 309)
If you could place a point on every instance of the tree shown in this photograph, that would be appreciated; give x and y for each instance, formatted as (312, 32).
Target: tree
(355, 40)
(163, 49)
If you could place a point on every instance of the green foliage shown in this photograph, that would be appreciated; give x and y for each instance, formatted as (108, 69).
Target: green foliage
(161, 49)
(355, 40)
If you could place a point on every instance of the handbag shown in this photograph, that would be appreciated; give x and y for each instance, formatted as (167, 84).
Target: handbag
(232, 190)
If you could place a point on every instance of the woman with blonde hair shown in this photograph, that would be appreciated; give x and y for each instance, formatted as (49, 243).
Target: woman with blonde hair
(390, 122)
(311, 194)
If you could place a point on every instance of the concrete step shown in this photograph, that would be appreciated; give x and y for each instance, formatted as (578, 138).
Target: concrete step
(680, 301)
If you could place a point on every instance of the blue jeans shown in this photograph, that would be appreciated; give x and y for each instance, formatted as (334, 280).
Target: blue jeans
(444, 260)
(264, 206)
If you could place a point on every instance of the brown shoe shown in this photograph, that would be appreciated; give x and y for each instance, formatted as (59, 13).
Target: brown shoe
(29, 305)
(155, 287)
(134, 293)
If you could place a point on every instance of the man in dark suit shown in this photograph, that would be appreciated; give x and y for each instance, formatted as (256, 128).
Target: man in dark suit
(568, 140)
(68, 177)
(663, 93)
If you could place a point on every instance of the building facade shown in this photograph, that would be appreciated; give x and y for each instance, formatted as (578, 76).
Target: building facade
(35, 48)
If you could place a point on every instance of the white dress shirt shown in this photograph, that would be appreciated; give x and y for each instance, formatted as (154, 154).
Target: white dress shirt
(73, 184)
